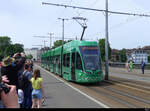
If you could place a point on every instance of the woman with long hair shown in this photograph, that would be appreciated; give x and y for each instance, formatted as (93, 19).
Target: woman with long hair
(38, 91)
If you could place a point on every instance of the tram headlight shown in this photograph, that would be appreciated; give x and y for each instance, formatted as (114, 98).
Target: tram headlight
(80, 74)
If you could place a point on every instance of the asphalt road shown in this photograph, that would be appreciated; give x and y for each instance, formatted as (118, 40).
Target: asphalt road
(61, 95)
(134, 75)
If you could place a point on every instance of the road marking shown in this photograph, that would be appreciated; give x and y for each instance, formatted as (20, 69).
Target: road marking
(101, 104)
(131, 87)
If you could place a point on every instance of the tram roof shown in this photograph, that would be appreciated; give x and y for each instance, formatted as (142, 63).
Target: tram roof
(73, 43)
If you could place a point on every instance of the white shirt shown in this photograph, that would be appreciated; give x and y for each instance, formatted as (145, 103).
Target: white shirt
(20, 96)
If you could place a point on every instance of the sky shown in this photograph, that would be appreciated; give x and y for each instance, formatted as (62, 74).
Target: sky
(21, 20)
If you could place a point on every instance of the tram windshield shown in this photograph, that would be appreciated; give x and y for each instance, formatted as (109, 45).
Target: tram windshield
(91, 57)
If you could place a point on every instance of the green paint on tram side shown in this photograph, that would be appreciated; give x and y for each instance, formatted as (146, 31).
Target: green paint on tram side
(81, 61)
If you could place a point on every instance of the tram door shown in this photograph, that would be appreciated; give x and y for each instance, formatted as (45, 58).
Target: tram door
(73, 66)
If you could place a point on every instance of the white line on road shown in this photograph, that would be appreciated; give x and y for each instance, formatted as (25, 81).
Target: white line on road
(101, 104)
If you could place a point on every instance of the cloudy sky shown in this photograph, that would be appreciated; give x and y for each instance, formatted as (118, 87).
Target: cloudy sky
(23, 19)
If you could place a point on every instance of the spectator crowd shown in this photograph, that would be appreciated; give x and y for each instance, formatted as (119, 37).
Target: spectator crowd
(25, 89)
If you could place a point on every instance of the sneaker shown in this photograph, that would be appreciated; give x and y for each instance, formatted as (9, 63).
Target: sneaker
(43, 101)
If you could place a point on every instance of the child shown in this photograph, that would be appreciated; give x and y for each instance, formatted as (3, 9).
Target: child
(38, 91)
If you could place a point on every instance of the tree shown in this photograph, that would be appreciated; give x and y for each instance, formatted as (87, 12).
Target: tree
(13, 48)
(102, 49)
(122, 54)
(18, 48)
(4, 43)
(28, 56)
(7, 48)
(59, 43)
(149, 58)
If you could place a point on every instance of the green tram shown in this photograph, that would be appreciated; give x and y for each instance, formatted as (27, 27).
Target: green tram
(80, 61)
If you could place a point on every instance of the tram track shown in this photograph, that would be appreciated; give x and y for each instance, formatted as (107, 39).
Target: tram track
(121, 95)
(135, 98)
(133, 92)
(131, 83)
(119, 101)
(127, 97)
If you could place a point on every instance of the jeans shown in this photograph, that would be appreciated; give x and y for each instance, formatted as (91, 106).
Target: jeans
(37, 93)
(142, 70)
(27, 102)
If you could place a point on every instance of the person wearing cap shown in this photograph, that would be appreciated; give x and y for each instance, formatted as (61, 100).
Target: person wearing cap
(8, 69)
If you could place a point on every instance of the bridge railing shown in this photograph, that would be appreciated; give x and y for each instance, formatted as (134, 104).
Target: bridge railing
(122, 65)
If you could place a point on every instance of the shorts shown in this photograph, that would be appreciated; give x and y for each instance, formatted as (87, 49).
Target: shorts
(36, 94)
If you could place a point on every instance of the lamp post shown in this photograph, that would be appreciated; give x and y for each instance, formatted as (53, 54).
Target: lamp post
(106, 42)
(63, 19)
(50, 39)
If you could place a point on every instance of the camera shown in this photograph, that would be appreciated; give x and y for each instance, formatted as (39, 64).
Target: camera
(18, 56)
(4, 88)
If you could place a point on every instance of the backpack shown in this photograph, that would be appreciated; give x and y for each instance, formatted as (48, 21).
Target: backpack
(23, 81)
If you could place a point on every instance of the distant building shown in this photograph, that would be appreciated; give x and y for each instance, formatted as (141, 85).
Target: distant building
(114, 55)
(147, 49)
(35, 52)
(137, 55)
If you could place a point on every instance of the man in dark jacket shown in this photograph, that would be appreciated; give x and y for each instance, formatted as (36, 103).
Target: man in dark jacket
(27, 101)
(19, 62)
(142, 66)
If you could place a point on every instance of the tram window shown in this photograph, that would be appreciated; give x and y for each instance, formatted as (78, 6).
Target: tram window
(68, 59)
(64, 60)
(46, 59)
(78, 62)
(52, 60)
(57, 60)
